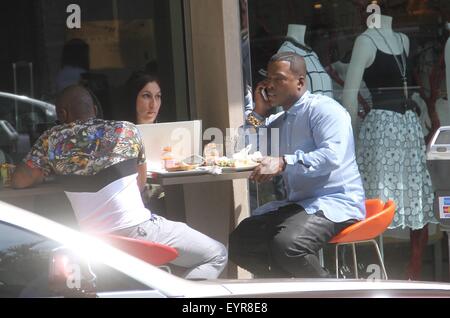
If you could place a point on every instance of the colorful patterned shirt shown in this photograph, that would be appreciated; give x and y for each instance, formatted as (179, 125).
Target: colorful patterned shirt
(86, 147)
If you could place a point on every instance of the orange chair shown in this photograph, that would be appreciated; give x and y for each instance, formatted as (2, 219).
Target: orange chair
(150, 252)
(378, 217)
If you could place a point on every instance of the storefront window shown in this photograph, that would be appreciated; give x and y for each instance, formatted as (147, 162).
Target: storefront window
(50, 44)
(384, 61)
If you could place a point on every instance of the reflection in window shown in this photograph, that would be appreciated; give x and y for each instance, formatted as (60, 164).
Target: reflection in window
(23, 261)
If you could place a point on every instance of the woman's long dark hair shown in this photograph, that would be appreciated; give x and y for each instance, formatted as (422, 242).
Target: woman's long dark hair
(134, 85)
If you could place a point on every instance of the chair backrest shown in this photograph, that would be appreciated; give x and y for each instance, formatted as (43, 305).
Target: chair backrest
(378, 217)
(373, 206)
(150, 252)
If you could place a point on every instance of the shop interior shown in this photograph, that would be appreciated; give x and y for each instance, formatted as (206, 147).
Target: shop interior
(330, 29)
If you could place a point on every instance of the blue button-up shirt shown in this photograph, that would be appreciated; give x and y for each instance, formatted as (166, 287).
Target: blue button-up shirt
(316, 139)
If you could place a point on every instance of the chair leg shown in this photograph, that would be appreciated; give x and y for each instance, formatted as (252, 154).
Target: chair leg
(337, 259)
(355, 262)
(381, 246)
(380, 259)
(321, 258)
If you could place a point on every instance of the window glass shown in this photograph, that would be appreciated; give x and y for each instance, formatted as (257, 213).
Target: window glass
(50, 44)
(385, 63)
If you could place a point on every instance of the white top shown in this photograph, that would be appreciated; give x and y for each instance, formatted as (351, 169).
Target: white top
(117, 206)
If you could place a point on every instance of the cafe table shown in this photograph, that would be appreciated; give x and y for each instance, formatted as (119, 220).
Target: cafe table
(211, 204)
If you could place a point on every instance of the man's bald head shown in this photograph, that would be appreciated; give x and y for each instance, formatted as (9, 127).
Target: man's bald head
(75, 103)
(297, 62)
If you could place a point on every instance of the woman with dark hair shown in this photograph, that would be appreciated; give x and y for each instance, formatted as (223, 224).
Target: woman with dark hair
(144, 95)
(143, 103)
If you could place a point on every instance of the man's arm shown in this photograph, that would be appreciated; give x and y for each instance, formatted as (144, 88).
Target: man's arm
(142, 176)
(25, 177)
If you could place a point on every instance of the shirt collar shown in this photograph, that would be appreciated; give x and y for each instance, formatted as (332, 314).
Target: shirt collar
(298, 104)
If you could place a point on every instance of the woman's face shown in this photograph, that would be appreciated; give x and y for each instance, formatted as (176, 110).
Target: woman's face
(148, 103)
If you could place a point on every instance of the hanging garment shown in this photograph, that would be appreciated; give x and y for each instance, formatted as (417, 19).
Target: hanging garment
(319, 82)
(391, 148)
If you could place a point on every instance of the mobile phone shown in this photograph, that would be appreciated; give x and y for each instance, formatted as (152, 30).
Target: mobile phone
(264, 94)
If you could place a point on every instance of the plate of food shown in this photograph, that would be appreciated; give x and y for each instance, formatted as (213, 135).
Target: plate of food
(240, 168)
(178, 172)
(187, 167)
(235, 165)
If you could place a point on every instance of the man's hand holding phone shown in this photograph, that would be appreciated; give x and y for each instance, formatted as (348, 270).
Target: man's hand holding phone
(262, 105)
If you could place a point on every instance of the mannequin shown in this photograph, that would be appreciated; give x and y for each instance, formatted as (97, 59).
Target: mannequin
(443, 103)
(319, 82)
(297, 32)
(364, 55)
(338, 71)
(390, 147)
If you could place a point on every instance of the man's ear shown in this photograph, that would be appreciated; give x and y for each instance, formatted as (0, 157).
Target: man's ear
(301, 82)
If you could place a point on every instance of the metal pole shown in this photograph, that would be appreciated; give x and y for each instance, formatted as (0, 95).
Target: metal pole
(382, 246)
(355, 262)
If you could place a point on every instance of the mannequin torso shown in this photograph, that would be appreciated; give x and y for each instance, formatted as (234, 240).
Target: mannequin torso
(318, 80)
(390, 141)
(297, 32)
(341, 69)
(363, 56)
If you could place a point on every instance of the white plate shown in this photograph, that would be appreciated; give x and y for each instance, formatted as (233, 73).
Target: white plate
(178, 173)
(239, 169)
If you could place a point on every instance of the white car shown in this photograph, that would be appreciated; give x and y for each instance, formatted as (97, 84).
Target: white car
(41, 258)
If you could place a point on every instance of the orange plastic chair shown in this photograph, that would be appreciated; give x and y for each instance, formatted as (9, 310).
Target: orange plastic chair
(150, 252)
(378, 217)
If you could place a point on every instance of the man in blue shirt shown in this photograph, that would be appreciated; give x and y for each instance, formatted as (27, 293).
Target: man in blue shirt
(317, 161)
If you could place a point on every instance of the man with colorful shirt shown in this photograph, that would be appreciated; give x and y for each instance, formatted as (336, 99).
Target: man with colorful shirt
(101, 165)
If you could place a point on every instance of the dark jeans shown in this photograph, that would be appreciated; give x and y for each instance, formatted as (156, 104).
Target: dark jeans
(283, 243)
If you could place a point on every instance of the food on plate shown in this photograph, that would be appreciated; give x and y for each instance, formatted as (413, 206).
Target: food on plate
(225, 162)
